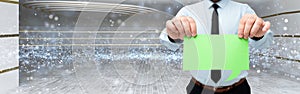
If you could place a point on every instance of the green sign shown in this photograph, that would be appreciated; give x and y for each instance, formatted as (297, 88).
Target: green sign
(216, 52)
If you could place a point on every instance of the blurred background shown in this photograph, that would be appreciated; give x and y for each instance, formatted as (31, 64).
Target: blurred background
(113, 46)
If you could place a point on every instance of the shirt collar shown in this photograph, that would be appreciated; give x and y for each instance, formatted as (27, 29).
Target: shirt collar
(221, 3)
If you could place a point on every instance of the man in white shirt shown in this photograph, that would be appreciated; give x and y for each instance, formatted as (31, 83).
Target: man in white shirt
(217, 17)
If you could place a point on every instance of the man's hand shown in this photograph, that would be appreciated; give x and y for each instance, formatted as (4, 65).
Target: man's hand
(181, 26)
(252, 26)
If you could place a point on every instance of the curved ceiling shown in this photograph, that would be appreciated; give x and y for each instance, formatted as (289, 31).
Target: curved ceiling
(88, 6)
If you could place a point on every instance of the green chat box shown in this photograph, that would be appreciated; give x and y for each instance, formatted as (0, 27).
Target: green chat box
(216, 52)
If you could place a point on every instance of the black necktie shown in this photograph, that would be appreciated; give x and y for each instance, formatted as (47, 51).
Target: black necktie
(215, 74)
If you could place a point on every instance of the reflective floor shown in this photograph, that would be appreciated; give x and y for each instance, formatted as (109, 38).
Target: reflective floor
(67, 82)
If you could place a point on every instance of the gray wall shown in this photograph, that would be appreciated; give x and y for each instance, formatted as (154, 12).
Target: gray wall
(9, 30)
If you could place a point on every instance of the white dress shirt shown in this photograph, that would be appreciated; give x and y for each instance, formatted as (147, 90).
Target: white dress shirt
(230, 13)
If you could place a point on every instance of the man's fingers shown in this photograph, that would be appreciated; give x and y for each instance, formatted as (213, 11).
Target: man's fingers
(248, 26)
(193, 27)
(259, 34)
(171, 29)
(183, 26)
(186, 26)
(179, 27)
(171, 26)
(242, 26)
(266, 27)
(256, 27)
(177, 22)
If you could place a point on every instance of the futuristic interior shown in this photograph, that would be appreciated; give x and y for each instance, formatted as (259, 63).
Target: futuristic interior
(113, 47)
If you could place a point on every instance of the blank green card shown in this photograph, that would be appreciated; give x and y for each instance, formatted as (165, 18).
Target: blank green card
(216, 52)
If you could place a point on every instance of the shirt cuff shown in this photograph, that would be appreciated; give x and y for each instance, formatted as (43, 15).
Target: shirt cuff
(264, 42)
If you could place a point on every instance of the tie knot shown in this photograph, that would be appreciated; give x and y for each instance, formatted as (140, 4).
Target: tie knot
(215, 6)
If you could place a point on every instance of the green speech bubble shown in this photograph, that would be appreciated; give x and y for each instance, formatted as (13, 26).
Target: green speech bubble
(216, 52)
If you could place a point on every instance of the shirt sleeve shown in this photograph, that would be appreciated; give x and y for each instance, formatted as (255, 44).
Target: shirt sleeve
(264, 42)
(164, 35)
